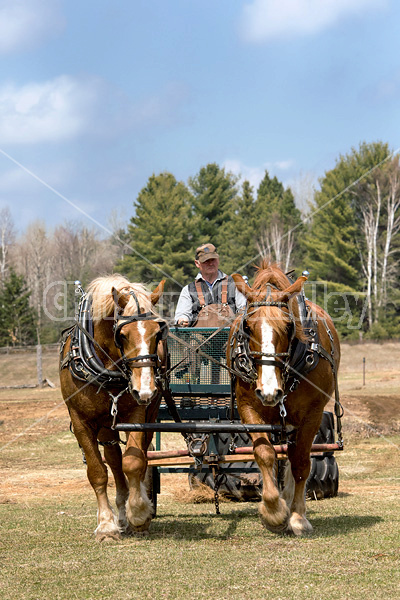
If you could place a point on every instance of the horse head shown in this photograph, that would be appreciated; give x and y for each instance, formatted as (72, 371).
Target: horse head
(139, 336)
(268, 328)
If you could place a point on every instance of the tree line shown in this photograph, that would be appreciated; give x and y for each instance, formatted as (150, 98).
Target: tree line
(348, 238)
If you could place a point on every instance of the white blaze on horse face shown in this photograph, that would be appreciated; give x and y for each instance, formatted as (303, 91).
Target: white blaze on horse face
(145, 390)
(269, 382)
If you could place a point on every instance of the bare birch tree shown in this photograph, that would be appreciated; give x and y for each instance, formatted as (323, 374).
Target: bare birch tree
(275, 244)
(7, 238)
(378, 202)
(392, 230)
(36, 263)
(80, 254)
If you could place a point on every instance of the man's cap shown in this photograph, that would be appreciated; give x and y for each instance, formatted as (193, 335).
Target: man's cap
(205, 252)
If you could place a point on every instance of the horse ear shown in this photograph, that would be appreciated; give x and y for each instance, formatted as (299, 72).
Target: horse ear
(292, 290)
(242, 286)
(155, 296)
(120, 299)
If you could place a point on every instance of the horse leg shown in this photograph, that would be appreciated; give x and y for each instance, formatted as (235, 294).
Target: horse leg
(113, 458)
(107, 526)
(296, 478)
(273, 510)
(139, 508)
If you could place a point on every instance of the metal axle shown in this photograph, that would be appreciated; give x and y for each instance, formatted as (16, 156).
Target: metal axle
(198, 427)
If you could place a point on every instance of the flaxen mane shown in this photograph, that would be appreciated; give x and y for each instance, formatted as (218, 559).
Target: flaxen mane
(102, 300)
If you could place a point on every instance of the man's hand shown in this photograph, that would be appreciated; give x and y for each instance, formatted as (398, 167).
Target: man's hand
(183, 322)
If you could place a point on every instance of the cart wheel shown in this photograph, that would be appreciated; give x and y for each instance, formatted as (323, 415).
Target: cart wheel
(326, 432)
(323, 481)
(152, 485)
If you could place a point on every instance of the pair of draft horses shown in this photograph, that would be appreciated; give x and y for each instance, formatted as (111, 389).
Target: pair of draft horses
(127, 332)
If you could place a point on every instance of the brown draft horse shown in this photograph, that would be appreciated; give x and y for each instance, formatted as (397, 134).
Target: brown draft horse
(127, 332)
(271, 324)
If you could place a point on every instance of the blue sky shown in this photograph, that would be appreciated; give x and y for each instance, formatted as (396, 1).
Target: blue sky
(96, 96)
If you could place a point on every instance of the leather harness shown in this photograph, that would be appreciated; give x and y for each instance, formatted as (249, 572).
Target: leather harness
(299, 360)
(82, 358)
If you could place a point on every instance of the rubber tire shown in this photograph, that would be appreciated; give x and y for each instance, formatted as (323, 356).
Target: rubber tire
(323, 481)
(152, 485)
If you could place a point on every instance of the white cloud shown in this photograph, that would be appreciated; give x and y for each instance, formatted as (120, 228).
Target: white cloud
(266, 19)
(255, 174)
(52, 111)
(26, 23)
(66, 107)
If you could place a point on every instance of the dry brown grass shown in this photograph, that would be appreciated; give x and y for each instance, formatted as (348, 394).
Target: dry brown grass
(47, 512)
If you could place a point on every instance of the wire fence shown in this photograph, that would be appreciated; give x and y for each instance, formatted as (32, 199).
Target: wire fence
(30, 349)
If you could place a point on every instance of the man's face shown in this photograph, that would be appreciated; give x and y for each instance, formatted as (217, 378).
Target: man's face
(208, 268)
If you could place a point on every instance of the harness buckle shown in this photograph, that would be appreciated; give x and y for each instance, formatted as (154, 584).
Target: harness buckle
(114, 406)
(294, 385)
(78, 288)
(310, 359)
(282, 408)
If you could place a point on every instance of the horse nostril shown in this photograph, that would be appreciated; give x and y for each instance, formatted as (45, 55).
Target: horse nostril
(153, 396)
(260, 394)
(279, 395)
(135, 394)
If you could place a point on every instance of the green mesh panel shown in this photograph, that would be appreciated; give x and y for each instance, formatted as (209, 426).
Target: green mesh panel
(195, 369)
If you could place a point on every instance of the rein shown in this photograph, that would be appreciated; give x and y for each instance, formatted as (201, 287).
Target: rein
(143, 360)
(87, 367)
(272, 355)
(244, 360)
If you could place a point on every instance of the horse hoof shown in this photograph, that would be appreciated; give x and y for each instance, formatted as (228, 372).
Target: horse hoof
(279, 529)
(299, 526)
(277, 522)
(108, 537)
(141, 534)
(141, 530)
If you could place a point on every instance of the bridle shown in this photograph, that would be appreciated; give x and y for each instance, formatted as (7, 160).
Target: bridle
(244, 360)
(120, 320)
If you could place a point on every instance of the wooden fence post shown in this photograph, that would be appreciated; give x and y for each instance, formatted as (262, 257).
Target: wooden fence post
(39, 365)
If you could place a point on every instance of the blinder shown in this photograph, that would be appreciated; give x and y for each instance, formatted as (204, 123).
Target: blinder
(143, 360)
(164, 330)
(245, 360)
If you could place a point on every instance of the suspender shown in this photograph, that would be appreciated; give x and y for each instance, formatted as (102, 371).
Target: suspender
(224, 292)
(200, 294)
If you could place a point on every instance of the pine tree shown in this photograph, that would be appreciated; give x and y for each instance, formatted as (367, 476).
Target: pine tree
(335, 244)
(162, 234)
(17, 318)
(240, 250)
(214, 193)
(279, 223)
(333, 252)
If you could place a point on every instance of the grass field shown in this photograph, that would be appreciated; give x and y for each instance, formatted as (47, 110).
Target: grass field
(48, 511)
